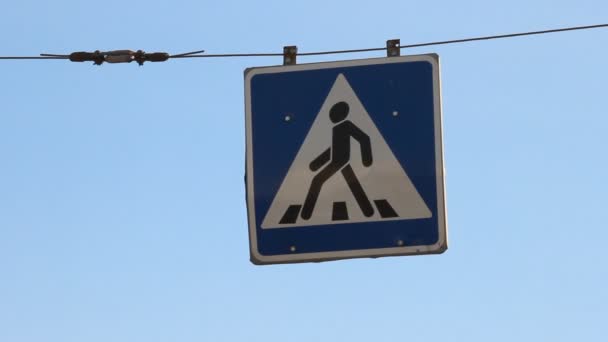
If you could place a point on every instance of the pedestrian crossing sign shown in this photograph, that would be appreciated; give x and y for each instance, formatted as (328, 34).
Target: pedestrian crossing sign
(345, 160)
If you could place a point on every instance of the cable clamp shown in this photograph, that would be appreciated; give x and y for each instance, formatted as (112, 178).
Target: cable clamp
(393, 48)
(290, 54)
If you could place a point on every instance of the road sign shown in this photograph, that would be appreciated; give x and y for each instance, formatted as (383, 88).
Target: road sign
(345, 160)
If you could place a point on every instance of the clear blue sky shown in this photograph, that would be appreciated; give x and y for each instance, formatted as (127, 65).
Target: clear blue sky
(122, 205)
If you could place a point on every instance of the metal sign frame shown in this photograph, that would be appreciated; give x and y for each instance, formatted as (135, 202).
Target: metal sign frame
(291, 254)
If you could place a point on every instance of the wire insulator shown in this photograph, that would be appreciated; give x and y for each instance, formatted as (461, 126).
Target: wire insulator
(118, 56)
(157, 56)
(81, 56)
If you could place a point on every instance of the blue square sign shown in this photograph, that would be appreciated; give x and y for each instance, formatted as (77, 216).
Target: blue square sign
(345, 160)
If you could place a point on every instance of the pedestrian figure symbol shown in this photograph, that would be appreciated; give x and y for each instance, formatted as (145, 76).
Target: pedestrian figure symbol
(337, 157)
(344, 172)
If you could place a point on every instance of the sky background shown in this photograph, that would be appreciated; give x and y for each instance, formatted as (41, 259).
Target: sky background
(122, 204)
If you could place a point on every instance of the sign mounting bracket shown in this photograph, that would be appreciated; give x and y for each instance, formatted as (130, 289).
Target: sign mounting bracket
(290, 54)
(393, 48)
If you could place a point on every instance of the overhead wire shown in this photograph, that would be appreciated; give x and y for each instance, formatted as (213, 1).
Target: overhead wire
(443, 42)
(199, 54)
(33, 57)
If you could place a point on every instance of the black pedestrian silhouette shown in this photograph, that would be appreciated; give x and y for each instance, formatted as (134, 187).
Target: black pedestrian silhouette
(337, 158)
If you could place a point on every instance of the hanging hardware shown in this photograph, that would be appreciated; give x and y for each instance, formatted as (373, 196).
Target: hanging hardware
(393, 48)
(289, 55)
